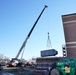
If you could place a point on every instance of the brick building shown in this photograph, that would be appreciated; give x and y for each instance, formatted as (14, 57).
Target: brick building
(69, 25)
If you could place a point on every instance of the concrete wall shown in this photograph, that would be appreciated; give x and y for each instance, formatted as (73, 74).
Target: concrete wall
(48, 60)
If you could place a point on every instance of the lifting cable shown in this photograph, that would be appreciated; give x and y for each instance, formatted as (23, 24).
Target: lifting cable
(49, 44)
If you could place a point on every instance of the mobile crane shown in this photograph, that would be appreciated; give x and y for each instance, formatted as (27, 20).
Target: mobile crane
(25, 41)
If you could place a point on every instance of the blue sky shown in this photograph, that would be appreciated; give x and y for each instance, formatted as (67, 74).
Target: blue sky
(18, 16)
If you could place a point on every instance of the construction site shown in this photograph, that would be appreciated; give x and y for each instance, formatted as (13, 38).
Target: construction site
(48, 62)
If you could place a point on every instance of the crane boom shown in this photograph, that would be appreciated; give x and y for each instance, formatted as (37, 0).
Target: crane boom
(24, 43)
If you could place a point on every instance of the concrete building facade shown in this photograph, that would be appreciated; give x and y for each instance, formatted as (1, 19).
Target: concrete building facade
(69, 25)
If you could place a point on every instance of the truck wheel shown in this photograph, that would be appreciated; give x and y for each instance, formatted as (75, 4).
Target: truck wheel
(54, 72)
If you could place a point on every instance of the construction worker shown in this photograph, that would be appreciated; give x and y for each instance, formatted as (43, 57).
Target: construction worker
(67, 69)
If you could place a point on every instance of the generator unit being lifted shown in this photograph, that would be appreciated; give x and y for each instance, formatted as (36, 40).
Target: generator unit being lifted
(49, 52)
